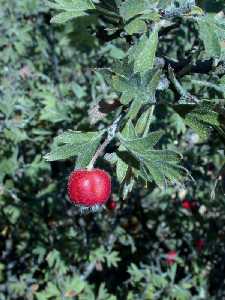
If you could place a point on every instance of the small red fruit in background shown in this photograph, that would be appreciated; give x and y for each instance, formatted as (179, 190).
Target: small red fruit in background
(111, 204)
(171, 257)
(189, 205)
(199, 244)
(89, 188)
(186, 204)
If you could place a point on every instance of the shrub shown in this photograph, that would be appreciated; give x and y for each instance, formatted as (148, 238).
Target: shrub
(136, 88)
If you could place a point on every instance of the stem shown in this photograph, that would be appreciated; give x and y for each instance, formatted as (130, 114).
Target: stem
(89, 269)
(111, 132)
(98, 153)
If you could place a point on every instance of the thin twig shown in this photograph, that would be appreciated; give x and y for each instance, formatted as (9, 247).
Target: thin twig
(89, 269)
(111, 132)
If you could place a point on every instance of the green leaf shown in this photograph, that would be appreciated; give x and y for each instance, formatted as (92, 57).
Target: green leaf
(153, 84)
(135, 50)
(162, 172)
(64, 152)
(8, 166)
(86, 155)
(75, 137)
(12, 212)
(209, 36)
(103, 293)
(75, 5)
(129, 131)
(141, 145)
(54, 111)
(136, 274)
(56, 262)
(201, 118)
(66, 16)
(134, 109)
(133, 86)
(158, 165)
(74, 284)
(51, 291)
(112, 259)
(161, 155)
(121, 170)
(132, 8)
(151, 16)
(143, 123)
(72, 9)
(136, 26)
(15, 134)
(7, 106)
(146, 57)
(75, 143)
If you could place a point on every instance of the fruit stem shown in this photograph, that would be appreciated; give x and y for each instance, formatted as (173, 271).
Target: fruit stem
(111, 132)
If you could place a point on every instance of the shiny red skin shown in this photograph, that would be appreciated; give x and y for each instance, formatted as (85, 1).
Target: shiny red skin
(171, 257)
(89, 187)
(111, 205)
(186, 204)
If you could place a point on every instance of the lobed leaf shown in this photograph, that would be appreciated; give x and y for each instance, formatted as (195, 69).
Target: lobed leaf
(146, 57)
(66, 16)
(143, 144)
(209, 36)
(78, 144)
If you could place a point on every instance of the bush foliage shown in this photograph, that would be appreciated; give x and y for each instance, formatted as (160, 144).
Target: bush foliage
(142, 83)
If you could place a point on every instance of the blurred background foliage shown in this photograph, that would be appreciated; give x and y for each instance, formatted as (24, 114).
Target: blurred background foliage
(47, 249)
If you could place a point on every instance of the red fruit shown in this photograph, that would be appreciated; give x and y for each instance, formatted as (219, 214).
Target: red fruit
(89, 187)
(171, 257)
(111, 204)
(199, 244)
(186, 204)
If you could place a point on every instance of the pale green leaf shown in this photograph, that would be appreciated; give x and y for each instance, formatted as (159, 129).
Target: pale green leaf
(146, 58)
(75, 137)
(66, 16)
(132, 8)
(88, 152)
(121, 170)
(74, 5)
(209, 36)
(141, 145)
(136, 26)
(64, 152)
(75, 143)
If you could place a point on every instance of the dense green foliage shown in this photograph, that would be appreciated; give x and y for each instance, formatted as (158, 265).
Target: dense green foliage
(68, 70)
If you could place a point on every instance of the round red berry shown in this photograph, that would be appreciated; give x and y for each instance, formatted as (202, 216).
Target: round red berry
(111, 204)
(89, 187)
(186, 204)
(171, 257)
